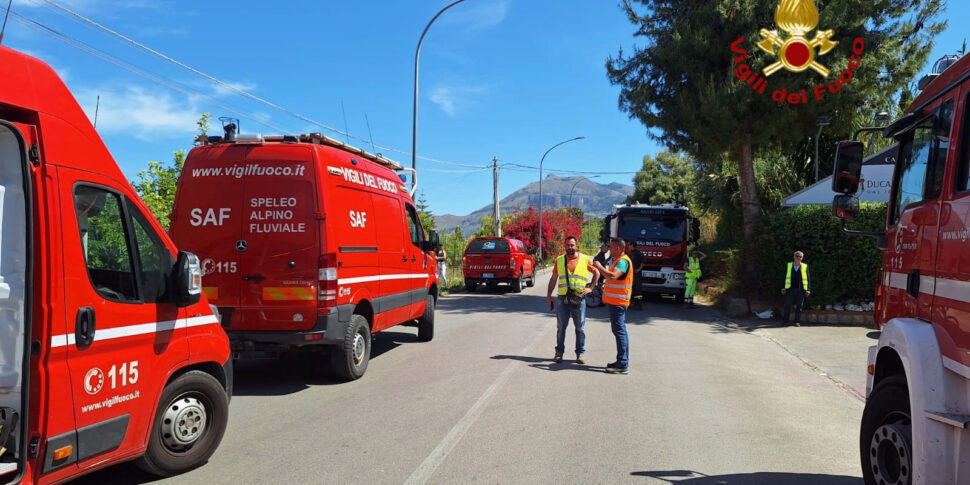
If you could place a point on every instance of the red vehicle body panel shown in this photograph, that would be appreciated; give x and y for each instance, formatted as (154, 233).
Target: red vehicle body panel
(68, 392)
(295, 203)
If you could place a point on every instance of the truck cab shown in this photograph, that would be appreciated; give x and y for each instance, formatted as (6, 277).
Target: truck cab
(917, 414)
(662, 234)
(108, 351)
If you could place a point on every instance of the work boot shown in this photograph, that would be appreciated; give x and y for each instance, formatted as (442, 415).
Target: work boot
(557, 359)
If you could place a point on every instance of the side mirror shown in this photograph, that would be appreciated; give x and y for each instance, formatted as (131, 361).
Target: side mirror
(605, 232)
(695, 230)
(432, 242)
(187, 279)
(845, 207)
(848, 167)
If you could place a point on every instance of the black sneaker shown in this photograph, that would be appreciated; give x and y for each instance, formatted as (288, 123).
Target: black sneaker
(557, 358)
(611, 365)
(618, 370)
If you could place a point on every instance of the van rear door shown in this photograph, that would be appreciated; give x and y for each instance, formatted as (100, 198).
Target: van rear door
(210, 219)
(281, 231)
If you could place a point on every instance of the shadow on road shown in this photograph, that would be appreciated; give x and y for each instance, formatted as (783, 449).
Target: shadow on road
(548, 364)
(688, 477)
(292, 374)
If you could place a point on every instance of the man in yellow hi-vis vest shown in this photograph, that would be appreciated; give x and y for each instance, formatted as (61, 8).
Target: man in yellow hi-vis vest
(616, 294)
(573, 271)
(796, 288)
(693, 274)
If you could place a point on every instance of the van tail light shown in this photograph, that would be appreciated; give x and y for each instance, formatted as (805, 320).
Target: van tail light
(512, 263)
(327, 280)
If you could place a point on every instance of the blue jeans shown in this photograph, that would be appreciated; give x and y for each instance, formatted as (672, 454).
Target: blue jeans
(578, 314)
(618, 325)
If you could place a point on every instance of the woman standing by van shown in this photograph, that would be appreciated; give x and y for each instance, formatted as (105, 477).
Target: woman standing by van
(441, 256)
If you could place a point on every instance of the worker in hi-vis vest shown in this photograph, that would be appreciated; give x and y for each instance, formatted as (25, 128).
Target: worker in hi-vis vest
(693, 274)
(796, 288)
(573, 271)
(616, 294)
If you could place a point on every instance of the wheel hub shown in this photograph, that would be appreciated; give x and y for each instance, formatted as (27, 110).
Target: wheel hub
(183, 423)
(359, 347)
(890, 454)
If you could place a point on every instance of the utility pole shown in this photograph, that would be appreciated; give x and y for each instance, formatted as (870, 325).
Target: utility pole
(498, 222)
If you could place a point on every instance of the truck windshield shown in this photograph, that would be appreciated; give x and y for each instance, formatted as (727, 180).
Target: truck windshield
(652, 229)
(481, 246)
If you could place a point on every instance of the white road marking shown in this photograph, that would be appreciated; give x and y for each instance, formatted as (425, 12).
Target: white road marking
(426, 469)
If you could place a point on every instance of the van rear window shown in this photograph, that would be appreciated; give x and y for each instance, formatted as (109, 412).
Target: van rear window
(479, 246)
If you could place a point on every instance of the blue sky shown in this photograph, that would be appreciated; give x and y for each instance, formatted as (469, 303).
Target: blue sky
(499, 78)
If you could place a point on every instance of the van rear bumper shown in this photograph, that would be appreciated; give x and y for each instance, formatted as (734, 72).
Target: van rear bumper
(329, 330)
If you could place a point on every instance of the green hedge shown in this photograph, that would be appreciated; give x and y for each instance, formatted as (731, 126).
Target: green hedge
(842, 267)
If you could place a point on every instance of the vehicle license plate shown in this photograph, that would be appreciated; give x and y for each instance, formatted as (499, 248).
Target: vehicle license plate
(488, 275)
(652, 274)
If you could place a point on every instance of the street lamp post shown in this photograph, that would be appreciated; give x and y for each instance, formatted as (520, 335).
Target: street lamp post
(414, 118)
(822, 122)
(540, 186)
(574, 187)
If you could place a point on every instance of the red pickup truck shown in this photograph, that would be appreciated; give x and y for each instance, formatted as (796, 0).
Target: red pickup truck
(494, 260)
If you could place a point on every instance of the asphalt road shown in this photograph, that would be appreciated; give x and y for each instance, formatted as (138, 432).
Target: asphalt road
(706, 402)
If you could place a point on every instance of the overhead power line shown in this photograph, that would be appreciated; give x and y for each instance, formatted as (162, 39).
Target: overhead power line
(233, 88)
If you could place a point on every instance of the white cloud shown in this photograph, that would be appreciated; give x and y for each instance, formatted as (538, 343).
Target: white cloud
(453, 99)
(481, 16)
(145, 114)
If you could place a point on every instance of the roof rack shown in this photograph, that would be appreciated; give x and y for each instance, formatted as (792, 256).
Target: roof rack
(317, 139)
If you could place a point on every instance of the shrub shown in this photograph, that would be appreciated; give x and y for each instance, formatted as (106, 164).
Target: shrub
(841, 267)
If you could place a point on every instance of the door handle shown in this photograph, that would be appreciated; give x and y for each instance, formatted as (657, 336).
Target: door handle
(254, 277)
(84, 326)
(912, 283)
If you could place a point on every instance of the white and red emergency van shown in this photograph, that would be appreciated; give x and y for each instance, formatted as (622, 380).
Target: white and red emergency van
(107, 351)
(306, 243)
(917, 414)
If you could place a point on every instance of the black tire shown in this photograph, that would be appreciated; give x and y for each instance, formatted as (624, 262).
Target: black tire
(517, 283)
(679, 297)
(189, 424)
(426, 322)
(886, 437)
(470, 286)
(532, 279)
(349, 360)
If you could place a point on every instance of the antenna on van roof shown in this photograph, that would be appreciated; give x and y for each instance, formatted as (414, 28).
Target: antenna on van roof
(5, 17)
(346, 130)
(371, 135)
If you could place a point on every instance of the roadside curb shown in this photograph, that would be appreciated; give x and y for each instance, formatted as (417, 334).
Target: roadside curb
(747, 326)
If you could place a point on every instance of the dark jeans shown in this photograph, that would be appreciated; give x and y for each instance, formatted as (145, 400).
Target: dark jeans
(618, 325)
(793, 297)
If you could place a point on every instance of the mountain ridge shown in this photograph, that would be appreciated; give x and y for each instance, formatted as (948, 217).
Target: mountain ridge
(593, 198)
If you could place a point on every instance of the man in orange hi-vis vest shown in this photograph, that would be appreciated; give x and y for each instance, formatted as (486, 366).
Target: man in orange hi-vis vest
(616, 294)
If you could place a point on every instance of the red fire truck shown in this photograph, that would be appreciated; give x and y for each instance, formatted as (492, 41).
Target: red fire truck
(917, 414)
(661, 234)
(108, 351)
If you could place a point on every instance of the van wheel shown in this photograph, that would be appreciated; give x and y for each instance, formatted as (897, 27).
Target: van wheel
(470, 286)
(532, 279)
(349, 360)
(517, 284)
(188, 426)
(679, 297)
(426, 322)
(886, 437)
